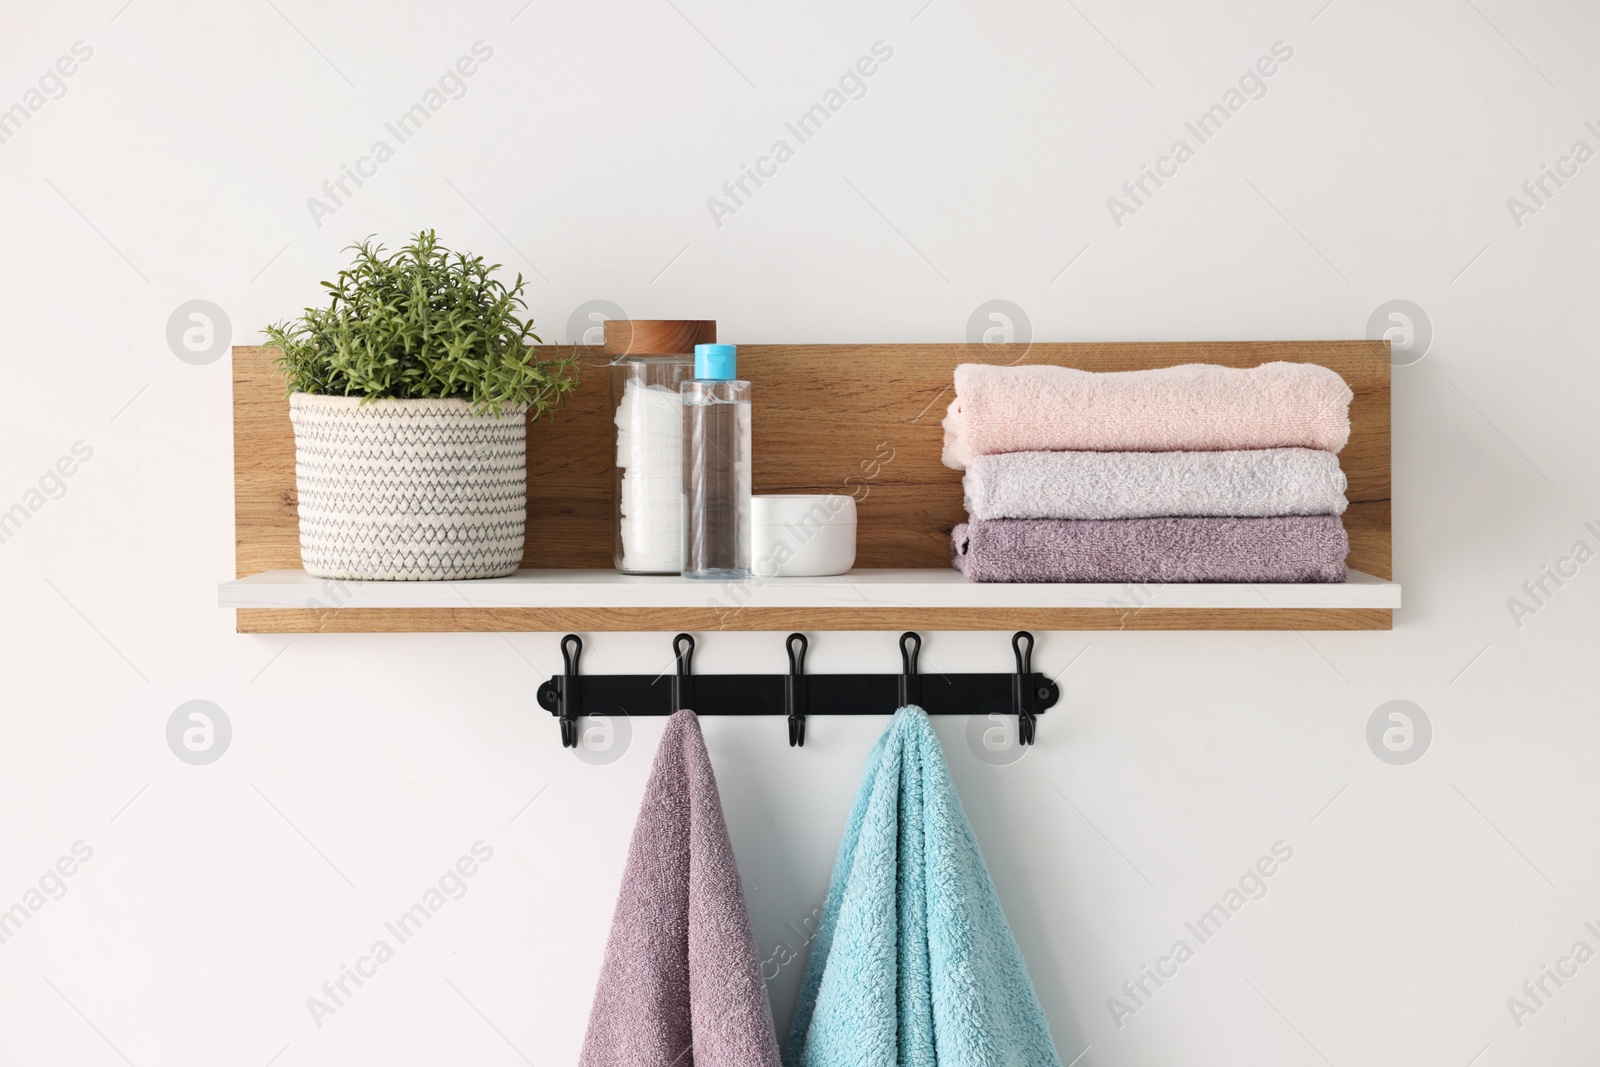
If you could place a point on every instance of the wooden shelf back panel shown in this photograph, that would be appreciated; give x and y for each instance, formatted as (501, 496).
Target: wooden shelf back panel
(858, 419)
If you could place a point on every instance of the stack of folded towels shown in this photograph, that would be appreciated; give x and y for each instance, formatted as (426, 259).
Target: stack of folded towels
(1194, 473)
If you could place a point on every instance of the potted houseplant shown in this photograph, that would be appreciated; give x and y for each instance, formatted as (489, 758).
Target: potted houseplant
(410, 394)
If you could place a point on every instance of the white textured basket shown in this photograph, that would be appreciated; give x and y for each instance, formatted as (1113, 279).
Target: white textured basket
(408, 490)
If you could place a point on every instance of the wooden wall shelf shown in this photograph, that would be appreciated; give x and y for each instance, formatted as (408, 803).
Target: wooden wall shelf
(872, 430)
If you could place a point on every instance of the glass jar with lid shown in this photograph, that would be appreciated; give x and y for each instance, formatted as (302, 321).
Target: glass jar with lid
(649, 360)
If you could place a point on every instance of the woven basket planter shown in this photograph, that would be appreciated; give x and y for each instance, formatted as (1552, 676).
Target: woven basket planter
(408, 490)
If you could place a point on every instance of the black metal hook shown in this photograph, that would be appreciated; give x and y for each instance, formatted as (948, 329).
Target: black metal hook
(795, 698)
(1026, 688)
(682, 681)
(910, 683)
(567, 690)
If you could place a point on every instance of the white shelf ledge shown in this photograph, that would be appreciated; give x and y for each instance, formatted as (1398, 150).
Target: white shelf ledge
(874, 588)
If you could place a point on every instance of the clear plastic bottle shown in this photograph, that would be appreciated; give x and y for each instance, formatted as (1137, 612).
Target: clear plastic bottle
(716, 467)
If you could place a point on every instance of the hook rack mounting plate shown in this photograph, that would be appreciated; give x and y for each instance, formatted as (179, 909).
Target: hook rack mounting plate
(638, 695)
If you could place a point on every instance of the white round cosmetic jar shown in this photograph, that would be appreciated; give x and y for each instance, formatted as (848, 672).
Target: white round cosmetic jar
(802, 535)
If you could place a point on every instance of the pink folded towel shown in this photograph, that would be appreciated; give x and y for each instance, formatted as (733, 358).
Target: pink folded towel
(1193, 407)
(681, 983)
(1286, 548)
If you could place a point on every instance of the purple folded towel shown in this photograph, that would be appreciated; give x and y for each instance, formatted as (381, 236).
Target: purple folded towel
(1288, 548)
(682, 981)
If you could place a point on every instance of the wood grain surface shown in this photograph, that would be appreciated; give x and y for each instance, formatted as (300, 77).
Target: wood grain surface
(588, 620)
(858, 419)
(656, 337)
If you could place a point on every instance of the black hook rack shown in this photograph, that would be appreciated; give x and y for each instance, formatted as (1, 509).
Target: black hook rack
(795, 695)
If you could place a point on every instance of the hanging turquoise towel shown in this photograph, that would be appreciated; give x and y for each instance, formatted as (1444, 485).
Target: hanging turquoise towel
(913, 964)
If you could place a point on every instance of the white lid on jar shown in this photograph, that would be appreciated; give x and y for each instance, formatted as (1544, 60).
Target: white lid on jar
(803, 509)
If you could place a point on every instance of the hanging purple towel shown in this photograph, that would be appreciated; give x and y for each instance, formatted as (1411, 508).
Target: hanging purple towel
(681, 983)
(1286, 548)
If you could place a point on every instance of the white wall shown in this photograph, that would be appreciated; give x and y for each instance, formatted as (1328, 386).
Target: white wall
(177, 166)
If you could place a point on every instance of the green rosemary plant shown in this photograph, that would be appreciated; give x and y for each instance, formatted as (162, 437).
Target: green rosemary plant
(424, 322)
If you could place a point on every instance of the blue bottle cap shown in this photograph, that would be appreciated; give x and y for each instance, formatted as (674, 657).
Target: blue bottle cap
(716, 363)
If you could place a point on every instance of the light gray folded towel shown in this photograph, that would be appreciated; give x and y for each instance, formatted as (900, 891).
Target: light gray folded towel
(1136, 485)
